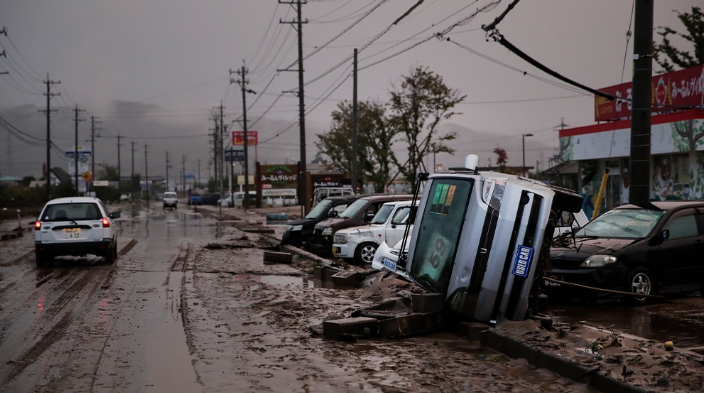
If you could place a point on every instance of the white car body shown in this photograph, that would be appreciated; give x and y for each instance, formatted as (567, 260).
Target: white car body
(75, 226)
(360, 243)
(170, 200)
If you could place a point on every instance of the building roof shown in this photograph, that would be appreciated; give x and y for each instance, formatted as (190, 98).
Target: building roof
(563, 168)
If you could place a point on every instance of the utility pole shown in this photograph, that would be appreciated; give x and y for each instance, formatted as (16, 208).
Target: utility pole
(222, 144)
(167, 171)
(216, 147)
(638, 193)
(198, 174)
(355, 147)
(92, 144)
(119, 172)
(48, 111)
(75, 148)
(243, 84)
(301, 106)
(132, 179)
(146, 173)
(183, 171)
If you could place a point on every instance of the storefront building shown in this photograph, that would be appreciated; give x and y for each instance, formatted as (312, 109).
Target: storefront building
(677, 142)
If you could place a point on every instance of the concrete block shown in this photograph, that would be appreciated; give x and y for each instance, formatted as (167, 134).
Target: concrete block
(472, 331)
(350, 327)
(427, 302)
(346, 279)
(411, 325)
(323, 273)
(278, 257)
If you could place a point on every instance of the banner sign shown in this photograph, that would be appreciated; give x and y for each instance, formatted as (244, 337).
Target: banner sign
(234, 155)
(671, 91)
(238, 138)
(279, 192)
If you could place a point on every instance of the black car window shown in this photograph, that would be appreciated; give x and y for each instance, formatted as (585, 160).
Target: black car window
(683, 226)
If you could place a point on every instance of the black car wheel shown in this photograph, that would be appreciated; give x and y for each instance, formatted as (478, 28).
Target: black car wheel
(111, 254)
(365, 252)
(639, 281)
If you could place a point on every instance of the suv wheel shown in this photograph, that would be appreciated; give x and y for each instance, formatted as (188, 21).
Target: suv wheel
(365, 253)
(42, 258)
(111, 254)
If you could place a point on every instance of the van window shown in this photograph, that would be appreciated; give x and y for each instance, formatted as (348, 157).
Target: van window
(383, 214)
(401, 215)
(352, 209)
(438, 235)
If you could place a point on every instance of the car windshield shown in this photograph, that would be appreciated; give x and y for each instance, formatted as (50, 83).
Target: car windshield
(383, 214)
(625, 223)
(352, 209)
(319, 209)
(170, 195)
(71, 211)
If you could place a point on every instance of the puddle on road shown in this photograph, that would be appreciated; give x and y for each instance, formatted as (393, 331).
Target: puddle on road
(289, 280)
(681, 321)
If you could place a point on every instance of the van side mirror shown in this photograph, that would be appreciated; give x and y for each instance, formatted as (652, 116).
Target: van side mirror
(665, 234)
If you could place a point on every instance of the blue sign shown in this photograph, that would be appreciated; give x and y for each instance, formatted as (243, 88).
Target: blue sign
(234, 155)
(521, 264)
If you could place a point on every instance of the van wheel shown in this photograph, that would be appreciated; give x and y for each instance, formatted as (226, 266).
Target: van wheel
(365, 253)
(639, 281)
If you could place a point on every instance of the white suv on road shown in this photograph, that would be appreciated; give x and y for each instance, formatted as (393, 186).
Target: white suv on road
(358, 244)
(170, 200)
(75, 226)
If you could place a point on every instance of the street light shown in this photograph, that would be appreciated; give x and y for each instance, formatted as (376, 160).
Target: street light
(523, 168)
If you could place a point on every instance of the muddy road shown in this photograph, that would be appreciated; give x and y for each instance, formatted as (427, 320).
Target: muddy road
(189, 306)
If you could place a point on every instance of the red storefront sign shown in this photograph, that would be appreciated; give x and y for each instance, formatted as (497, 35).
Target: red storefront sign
(238, 138)
(672, 91)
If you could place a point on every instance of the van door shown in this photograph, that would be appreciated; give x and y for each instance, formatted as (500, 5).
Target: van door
(393, 232)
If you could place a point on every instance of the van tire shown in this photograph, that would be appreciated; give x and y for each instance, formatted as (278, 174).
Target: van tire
(365, 253)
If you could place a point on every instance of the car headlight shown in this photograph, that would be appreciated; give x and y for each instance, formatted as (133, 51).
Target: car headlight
(598, 261)
(295, 228)
(327, 231)
(340, 238)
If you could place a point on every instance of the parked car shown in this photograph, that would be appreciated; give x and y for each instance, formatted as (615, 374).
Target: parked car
(358, 213)
(321, 193)
(655, 249)
(357, 245)
(298, 231)
(210, 199)
(75, 226)
(386, 257)
(194, 199)
(170, 200)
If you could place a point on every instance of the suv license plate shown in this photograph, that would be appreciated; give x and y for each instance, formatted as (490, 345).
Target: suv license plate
(72, 233)
(389, 264)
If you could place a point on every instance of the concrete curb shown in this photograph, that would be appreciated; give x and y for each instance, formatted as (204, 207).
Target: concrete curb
(557, 364)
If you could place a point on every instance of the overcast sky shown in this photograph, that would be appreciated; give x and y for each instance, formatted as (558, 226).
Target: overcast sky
(153, 70)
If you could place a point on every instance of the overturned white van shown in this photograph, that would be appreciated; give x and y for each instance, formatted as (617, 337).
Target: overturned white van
(480, 239)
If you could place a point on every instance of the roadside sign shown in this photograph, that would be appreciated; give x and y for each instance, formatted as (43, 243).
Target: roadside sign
(234, 155)
(101, 183)
(238, 138)
(87, 176)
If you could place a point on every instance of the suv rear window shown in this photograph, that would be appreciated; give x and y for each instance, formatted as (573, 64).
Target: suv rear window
(72, 211)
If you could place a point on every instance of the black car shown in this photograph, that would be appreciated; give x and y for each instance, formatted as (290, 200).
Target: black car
(210, 199)
(656, 249)
(300, 230)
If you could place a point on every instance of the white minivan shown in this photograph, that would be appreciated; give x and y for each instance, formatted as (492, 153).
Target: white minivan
(358, 244)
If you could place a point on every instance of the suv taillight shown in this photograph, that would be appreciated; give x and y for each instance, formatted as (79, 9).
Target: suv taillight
(106, 222)
(37, 225)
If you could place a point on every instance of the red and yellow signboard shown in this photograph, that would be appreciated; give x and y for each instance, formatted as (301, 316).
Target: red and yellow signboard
(238, 138)
(671, 91)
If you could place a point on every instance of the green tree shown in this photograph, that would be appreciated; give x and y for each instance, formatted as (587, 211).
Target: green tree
(374, 142)
(418, 106)
(109, 172)
(671, 58)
